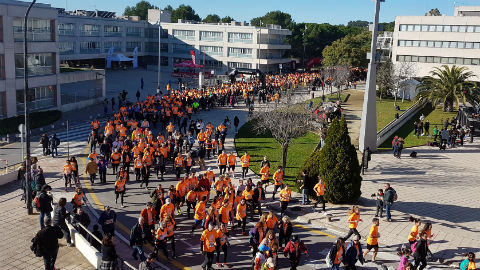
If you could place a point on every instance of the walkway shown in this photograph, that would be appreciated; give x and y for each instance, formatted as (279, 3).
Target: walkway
(18, 228)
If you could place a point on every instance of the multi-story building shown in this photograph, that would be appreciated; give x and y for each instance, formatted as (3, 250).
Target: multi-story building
(432, 41)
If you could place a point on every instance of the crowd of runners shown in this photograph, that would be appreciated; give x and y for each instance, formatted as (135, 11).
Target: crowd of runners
(159, 137)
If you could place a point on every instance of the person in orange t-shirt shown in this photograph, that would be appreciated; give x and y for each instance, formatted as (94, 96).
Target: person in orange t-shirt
(241, 215)
(200, 213)
(353, 220)
(222, 162)
(207, 246)
(232, 161)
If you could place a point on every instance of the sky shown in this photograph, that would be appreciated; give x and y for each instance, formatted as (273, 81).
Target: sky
(315, 11)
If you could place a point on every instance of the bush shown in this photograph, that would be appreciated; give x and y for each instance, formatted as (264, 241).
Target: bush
(37, 119)
(337, 163)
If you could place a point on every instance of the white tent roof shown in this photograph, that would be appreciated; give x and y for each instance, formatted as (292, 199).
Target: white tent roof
(121, 58)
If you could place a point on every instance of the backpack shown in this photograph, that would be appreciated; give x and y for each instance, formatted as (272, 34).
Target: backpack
(57, 141)
(464, 264)
(327, 259)
(36, 203)
(35, 247)
(413, 154)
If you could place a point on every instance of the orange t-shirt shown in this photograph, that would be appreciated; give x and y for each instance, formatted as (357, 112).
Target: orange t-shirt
(208, 239)
(353, 220)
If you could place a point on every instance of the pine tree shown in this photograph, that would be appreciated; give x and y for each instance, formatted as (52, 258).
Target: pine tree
(339, 166)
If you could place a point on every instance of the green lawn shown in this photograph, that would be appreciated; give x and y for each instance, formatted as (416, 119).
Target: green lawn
(435, 117)
(262, 145)
(386, 110)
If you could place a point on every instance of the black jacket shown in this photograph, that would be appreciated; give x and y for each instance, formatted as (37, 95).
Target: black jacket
(289, 230)
(48, 240)
(258, 192)
(138, 236)
(45, 202)
(333, 254)
(421, 251)
(82, 219)
(59, 216)
(109, 253)
(39, 181)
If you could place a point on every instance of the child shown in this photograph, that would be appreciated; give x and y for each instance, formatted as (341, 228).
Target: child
(354, 218)
(404, 253)
(372, 240)
(469, 262)
(380, 197)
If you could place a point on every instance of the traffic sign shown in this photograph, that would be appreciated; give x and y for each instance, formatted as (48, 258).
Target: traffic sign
(21, 128)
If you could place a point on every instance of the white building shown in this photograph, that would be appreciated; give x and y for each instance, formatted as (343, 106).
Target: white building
(432, 41)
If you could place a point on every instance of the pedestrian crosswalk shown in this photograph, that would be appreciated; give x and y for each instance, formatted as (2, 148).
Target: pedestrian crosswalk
(72, 143)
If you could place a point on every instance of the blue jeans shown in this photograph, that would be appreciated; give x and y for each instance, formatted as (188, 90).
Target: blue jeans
(388, 207)
(305, 198)
(42, 217)
(138, 250)
(335, 266)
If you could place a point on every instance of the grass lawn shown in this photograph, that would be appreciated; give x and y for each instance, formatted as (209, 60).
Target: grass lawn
(435, 117)
(260, 145)
(386, 110)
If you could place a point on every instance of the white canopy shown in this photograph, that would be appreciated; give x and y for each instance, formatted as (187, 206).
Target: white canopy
(121, 58)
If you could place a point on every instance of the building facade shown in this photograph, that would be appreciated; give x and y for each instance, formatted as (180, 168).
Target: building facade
(432, 41)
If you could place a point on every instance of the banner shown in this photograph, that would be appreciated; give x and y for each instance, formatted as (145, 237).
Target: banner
(193, 56)
(109, 57)
(135, 57)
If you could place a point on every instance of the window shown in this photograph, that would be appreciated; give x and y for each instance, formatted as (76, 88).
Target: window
(164, 34)
(38, 64)
(408, 43)
(212, 50)
(151, 33)
(151, 47)
(66, 48)
(476, 45)
(401, 43)
(459, 61)
(453, 44)
(415, 43)
(37, 30)
(477, 29)
(90, 30)
(438, 44)
(451, 60)
(414, 58)
(3, 105)
(475, 61)
(211, 36)
(117, 46)
(436, 59)
(134, 32)
(417, 28)
(470, 29)
(131, 45)
(164, 47)
(431, 44)
(424, 28)
(454, 28)
(447, 28)
(184, 34)
(432, 28)
(164, 61)
(429, 59)
(1, 29)
(239, 52)
(445, 44)
(467, 61)
(403, 27)
(422, 59)
(461, 45)
(240, 37)
(66, 29)
(213, 64)
(462, 29)
(239, 65)
(38, 98)
(468, 45)
(423, 43)
(408, 58)
(439, 28)
(2, 67)
(90, 47)
(444, 60)
(410, 28)
(112, 31)
(182, 48)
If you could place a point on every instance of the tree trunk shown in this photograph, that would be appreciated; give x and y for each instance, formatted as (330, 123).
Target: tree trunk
(284, 155)
(403, 94)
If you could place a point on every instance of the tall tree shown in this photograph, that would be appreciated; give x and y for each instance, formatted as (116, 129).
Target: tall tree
(140, 9)
(385, 79)
(211, 18)
(449, 85)
(227, 19)
(358, 23)
(274, 17)
(185, 12)
(350, 50)
(433, 12)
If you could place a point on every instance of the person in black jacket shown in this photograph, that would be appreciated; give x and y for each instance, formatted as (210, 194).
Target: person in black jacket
(139, 235)
(109, 254)
(236, 121)
(81, 218)
(44, 141)
(337, 255)
(47, 243)
(258, 196)
(59, 216)
(420, 254)
(285, 229)
(39, 180)
(107, 220)
(45, 208)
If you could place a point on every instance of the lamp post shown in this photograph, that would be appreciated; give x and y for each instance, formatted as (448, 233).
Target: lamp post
(303, 41)
(368, 128)
(27, 120)
(258, 41)
(159, 50)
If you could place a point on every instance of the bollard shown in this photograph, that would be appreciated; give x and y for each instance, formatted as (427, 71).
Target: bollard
(8, 138)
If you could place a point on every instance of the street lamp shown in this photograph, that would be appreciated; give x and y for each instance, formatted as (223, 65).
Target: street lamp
(303, 41)
(258, 41)
(368, 128)
(25, 105)
(159, 49)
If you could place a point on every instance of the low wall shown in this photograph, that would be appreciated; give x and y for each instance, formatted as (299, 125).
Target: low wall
(93, 256)
(81, 104)
(393, 126)
(7, 178)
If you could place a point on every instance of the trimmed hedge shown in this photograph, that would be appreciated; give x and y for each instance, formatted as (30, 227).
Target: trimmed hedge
(37, 119)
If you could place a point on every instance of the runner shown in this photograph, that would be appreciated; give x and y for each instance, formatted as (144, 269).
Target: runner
(278, 178)
(241, 215)
(222, 245)
(372, 240)
(207, 246)
(353, 220)
(67, 174)
(120, 187)
(319, 189)
(245, 159)
(412, 236)
(115, 160)
(148, 213)
(285, 196)
(222, 162)
(232, 161)
(199, 214)
(77, 200)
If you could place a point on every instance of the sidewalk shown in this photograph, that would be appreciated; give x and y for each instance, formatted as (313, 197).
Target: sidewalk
(19, 228)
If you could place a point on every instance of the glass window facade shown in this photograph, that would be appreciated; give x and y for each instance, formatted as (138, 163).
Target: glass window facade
(38, 98)
(66, 29)
(240, 37)
(112, 31)
(89, 47)
(239, 52)
(211, 36)
(212, 50)
(90, 30)
(438, 59)
(131, 45)
(117, 46)
(439, 44)
(184, 34)
(134, 32)
(440, 28)
(37, 30)
(239, 65)
(38, 64)
(66, 47)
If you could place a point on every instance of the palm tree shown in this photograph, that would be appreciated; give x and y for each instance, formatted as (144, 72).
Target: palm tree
(448, 85)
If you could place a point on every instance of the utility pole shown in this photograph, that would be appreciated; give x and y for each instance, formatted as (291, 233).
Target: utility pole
(368, 128)
(159, 50)
(28, 178)
(303, 39)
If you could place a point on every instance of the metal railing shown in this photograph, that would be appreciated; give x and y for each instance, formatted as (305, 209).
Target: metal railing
(123, 264)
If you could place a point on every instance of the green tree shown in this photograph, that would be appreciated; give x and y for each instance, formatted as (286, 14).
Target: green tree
(433, 12)
(185, 12)
(387, 27)
(339, 166)
(227, 19)
(385, 79)
(449, 85)
(358, 23)
(274, 17)
(350, 50)
(140, 9)
(211, 18)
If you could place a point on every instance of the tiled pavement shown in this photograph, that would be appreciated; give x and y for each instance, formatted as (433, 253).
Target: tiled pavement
(18, 228)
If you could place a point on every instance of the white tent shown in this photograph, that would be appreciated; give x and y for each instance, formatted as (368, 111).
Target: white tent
(121, 58)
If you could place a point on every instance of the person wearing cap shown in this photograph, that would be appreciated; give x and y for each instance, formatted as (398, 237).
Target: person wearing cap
(353, 254)
(294, 250)
(148, 263)
(107, 220)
